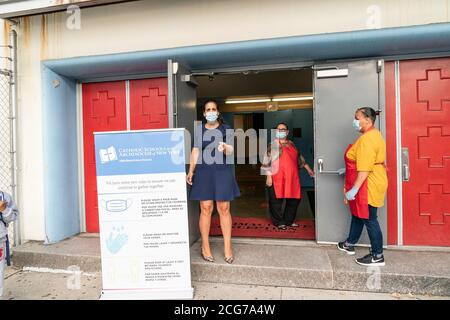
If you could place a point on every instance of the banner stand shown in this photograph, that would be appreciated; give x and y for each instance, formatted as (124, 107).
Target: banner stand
(143, 214)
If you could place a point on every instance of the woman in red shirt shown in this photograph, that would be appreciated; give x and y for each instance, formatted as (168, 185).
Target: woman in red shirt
(281, 165)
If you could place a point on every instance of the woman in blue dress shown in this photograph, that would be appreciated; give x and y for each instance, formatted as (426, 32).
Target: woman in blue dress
(212, 178)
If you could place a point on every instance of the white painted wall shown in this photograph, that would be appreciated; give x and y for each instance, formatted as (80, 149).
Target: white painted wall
(30, 155)
(156, 24)
(147, 25)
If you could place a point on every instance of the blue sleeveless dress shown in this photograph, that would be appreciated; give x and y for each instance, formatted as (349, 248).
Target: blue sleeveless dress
(213, 177)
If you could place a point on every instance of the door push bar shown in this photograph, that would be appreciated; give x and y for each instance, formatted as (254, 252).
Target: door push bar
(320, 165)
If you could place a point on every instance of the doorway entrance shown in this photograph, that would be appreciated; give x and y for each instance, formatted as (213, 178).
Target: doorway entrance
(326, 98)
(259, 101)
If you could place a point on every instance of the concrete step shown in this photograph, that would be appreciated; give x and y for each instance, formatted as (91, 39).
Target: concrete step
(276, 263)
(324, 267)
(81, 251)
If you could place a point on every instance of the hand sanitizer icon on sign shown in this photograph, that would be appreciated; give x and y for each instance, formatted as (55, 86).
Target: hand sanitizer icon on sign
(107, 155)
(116, 240)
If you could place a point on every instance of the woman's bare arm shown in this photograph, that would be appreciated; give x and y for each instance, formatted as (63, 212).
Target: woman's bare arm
(193, 162)
(362, 176)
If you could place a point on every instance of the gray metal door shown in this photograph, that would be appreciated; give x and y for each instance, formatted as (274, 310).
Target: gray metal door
(339, 89)
(182, 114)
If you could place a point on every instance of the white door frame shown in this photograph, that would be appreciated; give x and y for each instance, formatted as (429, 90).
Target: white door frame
(80, 150)
(398, 131)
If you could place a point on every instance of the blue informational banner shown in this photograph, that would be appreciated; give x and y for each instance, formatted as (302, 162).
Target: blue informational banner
(141, 152)
(143, 214)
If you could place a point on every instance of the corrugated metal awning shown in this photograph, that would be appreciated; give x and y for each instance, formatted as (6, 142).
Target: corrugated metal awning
(18, 8)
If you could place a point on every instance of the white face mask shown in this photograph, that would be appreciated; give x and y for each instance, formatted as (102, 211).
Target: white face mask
(356, 125)
(211, 116)
(281, 134)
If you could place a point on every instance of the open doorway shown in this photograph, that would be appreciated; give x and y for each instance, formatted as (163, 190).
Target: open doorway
(279, 96)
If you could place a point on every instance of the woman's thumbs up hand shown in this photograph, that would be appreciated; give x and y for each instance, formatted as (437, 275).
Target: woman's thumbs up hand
(221, 146)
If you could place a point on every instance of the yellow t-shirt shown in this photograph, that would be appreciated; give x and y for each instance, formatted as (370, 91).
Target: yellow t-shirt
(369, 151)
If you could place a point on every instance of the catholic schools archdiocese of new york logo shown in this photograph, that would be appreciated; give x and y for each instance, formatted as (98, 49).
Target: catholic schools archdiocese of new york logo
(108, 155)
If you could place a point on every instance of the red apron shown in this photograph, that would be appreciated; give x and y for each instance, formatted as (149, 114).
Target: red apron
(360, 206)
(286, 181)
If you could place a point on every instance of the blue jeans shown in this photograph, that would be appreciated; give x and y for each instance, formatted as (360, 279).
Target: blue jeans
(373, 229)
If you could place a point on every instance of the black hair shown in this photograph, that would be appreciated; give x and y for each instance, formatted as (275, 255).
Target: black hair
(368, 113)
(219, 118)
(283, 123)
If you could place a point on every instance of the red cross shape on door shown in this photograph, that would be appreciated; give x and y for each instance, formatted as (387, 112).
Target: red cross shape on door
(103, 108)
(435, 147)
(148, 104)
(433, 90)
(435, 204)
(154, 106)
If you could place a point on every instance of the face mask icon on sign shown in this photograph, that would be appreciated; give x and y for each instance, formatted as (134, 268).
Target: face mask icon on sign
(116, 205)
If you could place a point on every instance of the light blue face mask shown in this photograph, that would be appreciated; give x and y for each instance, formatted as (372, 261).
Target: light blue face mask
(211, 116)
(356, 125)
(281, 134)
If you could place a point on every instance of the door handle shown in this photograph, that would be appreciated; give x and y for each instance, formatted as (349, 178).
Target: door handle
(320, 165)
(405, 164)
(405, 172)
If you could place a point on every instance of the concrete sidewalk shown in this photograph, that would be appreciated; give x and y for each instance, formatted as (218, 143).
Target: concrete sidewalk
(293, 265)
(31, 285)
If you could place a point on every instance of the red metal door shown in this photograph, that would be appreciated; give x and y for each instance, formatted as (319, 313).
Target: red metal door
(148, 104)
(425, 121)
(104, 109)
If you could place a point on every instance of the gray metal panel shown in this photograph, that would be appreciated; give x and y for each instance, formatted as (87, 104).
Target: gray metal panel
(182, 114)
(335, 102)
(171, 78)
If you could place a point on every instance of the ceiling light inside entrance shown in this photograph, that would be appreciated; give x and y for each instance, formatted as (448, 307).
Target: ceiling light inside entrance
(276, 98)
(293, 98)
(247, 101)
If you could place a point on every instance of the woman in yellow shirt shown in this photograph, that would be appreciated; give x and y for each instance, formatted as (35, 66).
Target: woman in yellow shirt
(365, 186)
